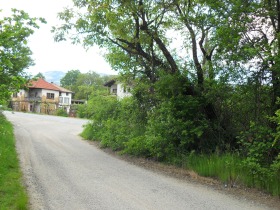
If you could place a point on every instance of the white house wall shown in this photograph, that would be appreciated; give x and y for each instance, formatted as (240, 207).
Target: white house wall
(122, 91)
(64, 95)
(21, 93)
(63, 102)
(113, 89)
(55, 92)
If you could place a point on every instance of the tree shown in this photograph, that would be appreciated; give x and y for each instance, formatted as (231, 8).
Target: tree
(125, 35)
(217, 42)
(254, 28)
(88, 83)
(39, 75)
(70, 78)
(137, 37)
(15, 55)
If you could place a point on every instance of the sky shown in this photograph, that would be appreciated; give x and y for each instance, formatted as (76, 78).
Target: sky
(55, 56)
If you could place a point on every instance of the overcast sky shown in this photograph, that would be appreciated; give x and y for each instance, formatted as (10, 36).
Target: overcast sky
(49, 55)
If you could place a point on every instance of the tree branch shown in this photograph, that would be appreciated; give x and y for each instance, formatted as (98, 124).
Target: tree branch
(199, 71)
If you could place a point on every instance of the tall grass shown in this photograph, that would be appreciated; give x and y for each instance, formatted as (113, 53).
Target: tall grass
(12, 193)
(232, 170)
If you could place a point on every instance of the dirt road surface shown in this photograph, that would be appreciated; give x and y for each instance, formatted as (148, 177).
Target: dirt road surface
(62, 171)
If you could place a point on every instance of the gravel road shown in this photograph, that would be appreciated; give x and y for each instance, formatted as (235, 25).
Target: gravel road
(62, 171)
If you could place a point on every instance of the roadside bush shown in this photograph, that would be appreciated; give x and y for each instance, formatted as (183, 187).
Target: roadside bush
(257, 144)
(82, 111)
(99, 110)
(174, 124)
(113, 122)
(61, 112)
(168, 120)
(260, 150)
(173, 128)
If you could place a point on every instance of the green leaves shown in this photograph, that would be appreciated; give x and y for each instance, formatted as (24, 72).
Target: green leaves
(84, 84)
(195, 93)
(15, 55)
(70, 78)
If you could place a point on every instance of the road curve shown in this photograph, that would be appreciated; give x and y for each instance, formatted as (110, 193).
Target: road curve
(62, 171)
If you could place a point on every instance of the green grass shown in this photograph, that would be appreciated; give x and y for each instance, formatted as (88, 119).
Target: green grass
(232, 170)
(226, 168)
(12, 193)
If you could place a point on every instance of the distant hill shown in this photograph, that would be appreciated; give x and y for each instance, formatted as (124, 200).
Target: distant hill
(54, 76)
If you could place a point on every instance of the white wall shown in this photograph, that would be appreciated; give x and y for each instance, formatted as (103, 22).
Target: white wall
(55, 92)
(113, 89)
(65, 99)
(123, 91)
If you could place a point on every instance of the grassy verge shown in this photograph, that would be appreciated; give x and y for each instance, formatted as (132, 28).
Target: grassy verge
(12, 193)
(230, 169)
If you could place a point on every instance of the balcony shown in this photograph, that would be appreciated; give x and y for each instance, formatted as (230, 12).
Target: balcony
(33, 98)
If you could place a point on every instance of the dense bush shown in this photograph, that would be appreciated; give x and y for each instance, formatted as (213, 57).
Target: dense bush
(113, 122)
(61, 112)
(171, 130)
(81, 110)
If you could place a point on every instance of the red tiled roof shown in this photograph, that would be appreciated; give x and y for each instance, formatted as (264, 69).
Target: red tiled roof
(42, 84)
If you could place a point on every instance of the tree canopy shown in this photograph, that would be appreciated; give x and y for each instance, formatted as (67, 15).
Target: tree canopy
(70, 78)
(15, 55)
(40, 75)
(83, 84)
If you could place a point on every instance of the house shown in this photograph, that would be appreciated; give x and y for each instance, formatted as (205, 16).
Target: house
(41, 96)
(119, 89)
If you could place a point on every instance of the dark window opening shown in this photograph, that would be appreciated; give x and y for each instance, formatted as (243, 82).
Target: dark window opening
(50, 95)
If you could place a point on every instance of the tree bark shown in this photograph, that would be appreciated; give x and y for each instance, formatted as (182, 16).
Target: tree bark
(199, 70)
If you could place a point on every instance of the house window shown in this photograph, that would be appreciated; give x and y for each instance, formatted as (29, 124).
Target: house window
(66, 94)
(66, 100)
(14, 95)
(50, 95)
(60, 100)
(59, 93)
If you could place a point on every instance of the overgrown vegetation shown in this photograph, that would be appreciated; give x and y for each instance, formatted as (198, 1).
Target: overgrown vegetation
(61, 112)
(234, 170)
(211, 93)
(12, 193)
(253, 161)
(83, 84)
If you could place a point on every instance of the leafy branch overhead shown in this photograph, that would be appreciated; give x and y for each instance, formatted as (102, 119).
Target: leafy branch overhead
(15, 55)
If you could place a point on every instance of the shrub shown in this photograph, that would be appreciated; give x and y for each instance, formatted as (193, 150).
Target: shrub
(61, 112)
(261, 158)
(82, 111)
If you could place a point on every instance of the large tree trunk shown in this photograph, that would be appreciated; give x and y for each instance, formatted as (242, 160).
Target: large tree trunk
(274, 11)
